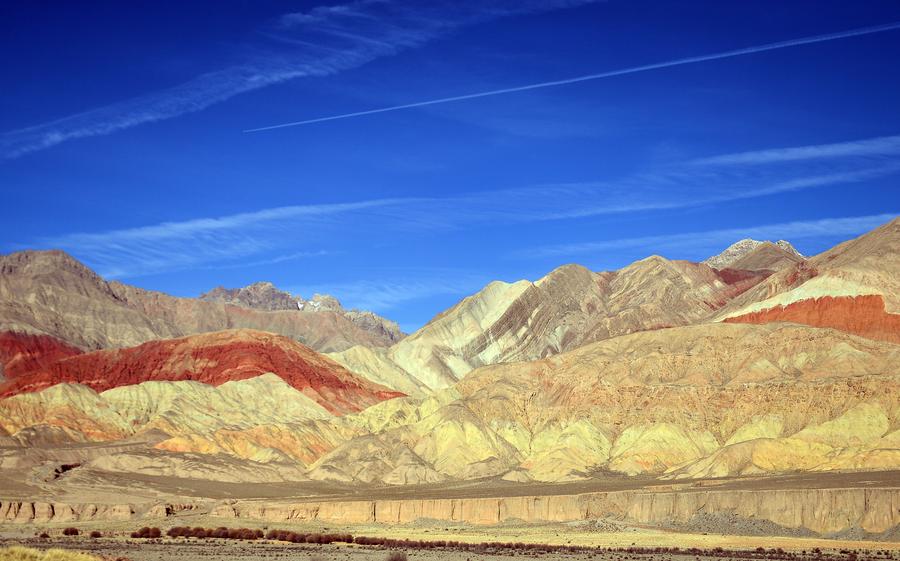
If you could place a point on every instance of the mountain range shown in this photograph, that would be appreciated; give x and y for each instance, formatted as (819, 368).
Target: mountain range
(757, 361)
(49, 293)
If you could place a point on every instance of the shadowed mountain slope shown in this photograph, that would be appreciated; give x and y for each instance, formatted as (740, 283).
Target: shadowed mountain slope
(51, 293)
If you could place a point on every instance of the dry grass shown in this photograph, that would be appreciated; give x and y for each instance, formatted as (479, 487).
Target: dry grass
(17, 553)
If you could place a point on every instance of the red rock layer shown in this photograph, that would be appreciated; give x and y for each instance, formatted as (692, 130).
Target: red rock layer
(21, 352)
(860, 315)
(212, 358)
(740, 281)
(741, 277)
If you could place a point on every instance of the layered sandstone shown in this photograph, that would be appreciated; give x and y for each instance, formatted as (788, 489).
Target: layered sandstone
(824, 511)
(20, 512)
(21, 353)
(211, 358)
(767, 257)
(861, 315)
(261, 419)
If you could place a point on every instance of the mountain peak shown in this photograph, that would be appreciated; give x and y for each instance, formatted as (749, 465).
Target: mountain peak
(259, 295)
(44, 260)
(264, 295)
(777, 252)
(787, 246)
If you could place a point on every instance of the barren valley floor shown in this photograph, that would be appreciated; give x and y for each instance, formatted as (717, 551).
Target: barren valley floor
(649, 513)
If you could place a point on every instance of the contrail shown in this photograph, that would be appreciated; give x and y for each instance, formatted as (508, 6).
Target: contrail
(633, 70)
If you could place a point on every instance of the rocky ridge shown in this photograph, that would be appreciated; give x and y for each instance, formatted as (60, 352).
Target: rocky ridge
(265, 296)
(50, 293)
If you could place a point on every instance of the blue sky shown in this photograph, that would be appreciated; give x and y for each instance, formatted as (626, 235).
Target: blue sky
(122, 138)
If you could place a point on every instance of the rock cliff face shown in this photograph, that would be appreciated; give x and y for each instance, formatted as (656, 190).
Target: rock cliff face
(50, 293)
(19, 512)
(822, 511)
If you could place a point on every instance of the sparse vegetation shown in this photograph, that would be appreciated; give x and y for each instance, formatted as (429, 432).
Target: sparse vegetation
(398, 546)
(147, 533)
(220, 533)
(16, 553)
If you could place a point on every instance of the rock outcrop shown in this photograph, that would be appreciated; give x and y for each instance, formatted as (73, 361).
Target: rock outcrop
(824, 511)
(23, 512)
(711, 400)
(666, 368)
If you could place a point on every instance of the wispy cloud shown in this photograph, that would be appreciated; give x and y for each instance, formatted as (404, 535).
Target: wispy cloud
(881, 146)
(719, 239)
(323, 41)
(171, 246)
(600, 75)
(277, 234)
(267, 236)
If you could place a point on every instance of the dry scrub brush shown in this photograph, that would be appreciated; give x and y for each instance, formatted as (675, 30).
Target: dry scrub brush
(147, 533)
(16, 553)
